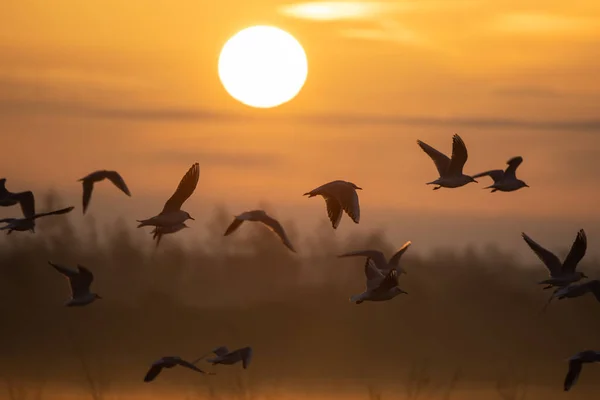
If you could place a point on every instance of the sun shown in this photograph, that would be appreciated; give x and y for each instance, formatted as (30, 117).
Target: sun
(263, 66)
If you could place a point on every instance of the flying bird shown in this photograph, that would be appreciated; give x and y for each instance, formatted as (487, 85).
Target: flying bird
(28, 222)
(172, 214)
(561, 274)
(450, 170)
(578, 290)
(98, 176)
(265, 219)
(170, 362)
(379, 259)
(79, 282)
(505, 181)
(8, 199)
(339, 196)
(159, 231)
(576, 364)
(226, 357)
(379, 287)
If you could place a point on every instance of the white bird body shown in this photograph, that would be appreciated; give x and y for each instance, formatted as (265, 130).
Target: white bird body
(98, 176)
(561, 273)
(172, 214)
(159, 231)
(226, 357)
(28, 223)
(576, 364)
(339, 196)
(505, 181)
(579, 290)
(449, 169)
(266, 220)
(79, 282)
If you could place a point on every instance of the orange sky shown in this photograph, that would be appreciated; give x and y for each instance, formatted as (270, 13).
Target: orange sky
(133, 86)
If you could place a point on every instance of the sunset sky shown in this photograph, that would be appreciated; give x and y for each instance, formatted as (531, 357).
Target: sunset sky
(133, 86)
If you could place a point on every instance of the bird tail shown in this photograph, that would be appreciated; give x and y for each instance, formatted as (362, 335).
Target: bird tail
(357, 298)
(142, 223)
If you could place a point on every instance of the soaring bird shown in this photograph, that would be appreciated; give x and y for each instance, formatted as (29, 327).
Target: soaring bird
(561, 274)
(265, 219)
(97, 176)
(159, 231)
(576, 364)
(450, 170)
(27, 223)
(79, 282)
(8, 199)
(172, 214)
(505, 181)
(578, 290)
(379, 259)
(226, 357)
(379, 287)
(170, 362)
(339, 196)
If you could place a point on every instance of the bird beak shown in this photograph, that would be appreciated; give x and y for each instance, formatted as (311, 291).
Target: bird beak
(526, 185)
(192, 218)
(359, 188)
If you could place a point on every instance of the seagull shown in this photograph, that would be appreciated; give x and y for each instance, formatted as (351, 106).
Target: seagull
(561, 274)
(80, 282)
(576, 363)
(260, 216)
(8, 199)
(450, 170)
(28, 223)
(579, 290)
(379, 287)
(379, 259)
(170, 362)
(159, 231)
(97, 176)
(339, 196)
(226, 357)
(505, 181)
(172, 214)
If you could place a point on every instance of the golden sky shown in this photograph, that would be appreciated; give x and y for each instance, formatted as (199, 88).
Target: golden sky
(133, 86)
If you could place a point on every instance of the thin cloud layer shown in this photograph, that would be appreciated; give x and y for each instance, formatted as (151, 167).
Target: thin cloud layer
(538, 23)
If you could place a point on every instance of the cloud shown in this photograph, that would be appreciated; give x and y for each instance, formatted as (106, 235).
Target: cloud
(543, 23)
(188, 114)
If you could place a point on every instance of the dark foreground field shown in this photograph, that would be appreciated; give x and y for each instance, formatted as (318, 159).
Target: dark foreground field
(470, 327)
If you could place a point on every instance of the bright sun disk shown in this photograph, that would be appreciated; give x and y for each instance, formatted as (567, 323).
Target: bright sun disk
(263, 66)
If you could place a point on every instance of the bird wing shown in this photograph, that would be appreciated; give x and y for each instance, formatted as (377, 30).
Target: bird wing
(221, 351)
(395, 260)
(233, 226)
(373, 274)
(513, 164)
(334, 210)
(153, 371)
(576, 253)
(276, 227)
(27, 203)
(594, 287)
(88, 188)
(81, 282)
(495, 174)
(390, 281)
(3, 191)
(548, 258)
(572, 374)
(186, 187)
(377, 257)
(348, 199)
(441, 161)
(57, 212)
(189, 365)
(246, 354)
(118, 181)
(459, 156)
(67, 272)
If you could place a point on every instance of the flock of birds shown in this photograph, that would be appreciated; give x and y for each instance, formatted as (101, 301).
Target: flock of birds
(340, 197)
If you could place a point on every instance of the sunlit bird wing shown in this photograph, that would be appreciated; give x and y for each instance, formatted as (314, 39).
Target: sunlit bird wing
(186, 187)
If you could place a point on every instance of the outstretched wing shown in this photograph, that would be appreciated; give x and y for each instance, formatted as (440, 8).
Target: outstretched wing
(441, 161)
(233, 226)
(373, 274)
(80, 283)
(513, 164)
(276, 227)
(495, 174)
(57, 212)
(348, 199)
(395, 260)
(376, 255)
(118, 181)
(576, 253)
(246, 354)
(27, 203)
(548, 258)
(459, 156)
(189, 365)
(572, 374)
(186, 187)
(153, 372)
(67, 272)
(334, 210)
(88, 188)
(390, 281)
